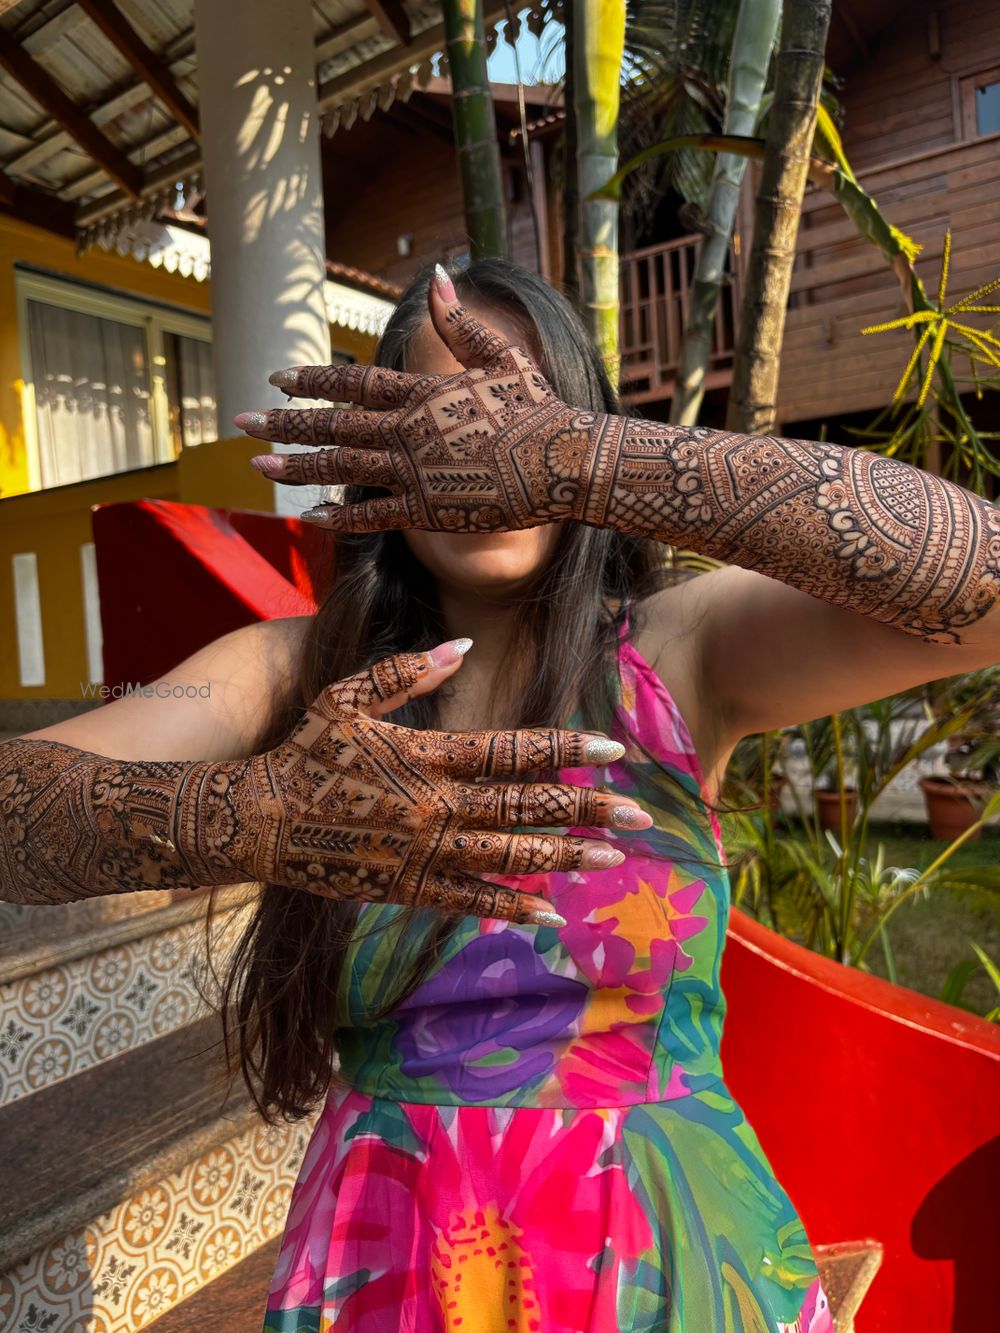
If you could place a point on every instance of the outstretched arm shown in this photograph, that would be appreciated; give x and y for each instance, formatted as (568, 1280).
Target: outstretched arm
(493, 448)
(349, 806)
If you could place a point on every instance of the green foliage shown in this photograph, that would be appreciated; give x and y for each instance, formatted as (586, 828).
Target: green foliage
(953, 991)
(938, 416)
(673, 83)
(836, 894)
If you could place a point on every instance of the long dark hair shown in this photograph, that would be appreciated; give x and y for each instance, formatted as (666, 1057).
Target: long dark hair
(285, 972)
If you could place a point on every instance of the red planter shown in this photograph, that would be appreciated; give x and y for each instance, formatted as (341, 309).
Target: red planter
(950, 808)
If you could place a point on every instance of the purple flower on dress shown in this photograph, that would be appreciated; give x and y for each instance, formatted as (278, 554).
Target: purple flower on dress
(491, 1020)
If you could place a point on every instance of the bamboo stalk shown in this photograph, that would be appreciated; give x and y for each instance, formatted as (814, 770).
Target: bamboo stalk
(598, 48)
(753, 41)
(476, 143)
(571, 192)
(791, 126)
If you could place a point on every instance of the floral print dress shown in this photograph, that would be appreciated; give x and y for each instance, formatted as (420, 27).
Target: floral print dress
(540, 1137)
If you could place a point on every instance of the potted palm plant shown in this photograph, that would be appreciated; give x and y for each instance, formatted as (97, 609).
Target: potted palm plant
(835, 796)
(831, 749)
(970, 771)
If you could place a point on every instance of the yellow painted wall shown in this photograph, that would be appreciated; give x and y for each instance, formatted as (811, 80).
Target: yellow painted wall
(24, 244)
(352, 342)
(55, 523)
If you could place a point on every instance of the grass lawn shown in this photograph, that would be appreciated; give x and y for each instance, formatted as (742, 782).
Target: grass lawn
(928, 936)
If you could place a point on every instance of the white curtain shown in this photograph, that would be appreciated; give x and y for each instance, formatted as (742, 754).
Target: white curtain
(92, 396)
(196, 384)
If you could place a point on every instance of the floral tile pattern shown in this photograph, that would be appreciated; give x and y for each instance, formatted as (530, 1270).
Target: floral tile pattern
(57, 1022)
(132, 1264)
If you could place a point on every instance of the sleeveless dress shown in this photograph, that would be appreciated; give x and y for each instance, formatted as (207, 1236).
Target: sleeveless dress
(540, 1137)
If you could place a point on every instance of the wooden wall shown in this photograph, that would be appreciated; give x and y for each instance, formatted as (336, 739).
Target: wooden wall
(904, 135)
(414, 190)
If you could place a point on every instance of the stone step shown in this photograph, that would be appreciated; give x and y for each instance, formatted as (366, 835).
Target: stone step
(232, 1303)
(34, 937)
(73, 1150)
(93, 979)
(132, 1184)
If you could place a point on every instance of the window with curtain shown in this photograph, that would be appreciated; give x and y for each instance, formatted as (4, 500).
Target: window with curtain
(92, 394)
(115, 383)
(190, 390)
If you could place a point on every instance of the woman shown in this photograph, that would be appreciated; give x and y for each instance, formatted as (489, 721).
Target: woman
(529, 1127)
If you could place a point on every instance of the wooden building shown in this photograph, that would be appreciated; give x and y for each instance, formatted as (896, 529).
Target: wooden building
(921, 104)
(920, 96)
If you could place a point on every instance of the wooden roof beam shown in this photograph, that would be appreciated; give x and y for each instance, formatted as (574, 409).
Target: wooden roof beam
(146, 63)
(410, 117)
(392, 18)
(35, 206)
(40, 85)
(363, 78)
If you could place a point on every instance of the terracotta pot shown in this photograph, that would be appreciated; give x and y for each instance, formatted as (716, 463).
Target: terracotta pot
(828, 809)
(950, 810)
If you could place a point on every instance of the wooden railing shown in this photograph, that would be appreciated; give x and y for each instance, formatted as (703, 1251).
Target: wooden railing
(655, 287)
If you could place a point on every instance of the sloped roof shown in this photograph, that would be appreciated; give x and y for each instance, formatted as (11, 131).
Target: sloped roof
(99, 98)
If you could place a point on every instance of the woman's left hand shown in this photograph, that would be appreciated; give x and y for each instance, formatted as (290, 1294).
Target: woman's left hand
(489, 449)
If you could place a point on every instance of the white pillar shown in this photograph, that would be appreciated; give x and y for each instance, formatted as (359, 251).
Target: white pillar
(260, 138)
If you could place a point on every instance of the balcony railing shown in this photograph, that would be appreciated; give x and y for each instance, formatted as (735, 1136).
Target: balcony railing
(655, 287)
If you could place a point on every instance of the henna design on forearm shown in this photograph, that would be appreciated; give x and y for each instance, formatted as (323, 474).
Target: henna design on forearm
(350, 806)
(493, 448)
(872, 534)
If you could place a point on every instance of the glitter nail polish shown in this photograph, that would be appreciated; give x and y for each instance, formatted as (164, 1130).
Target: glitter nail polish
(603, 751)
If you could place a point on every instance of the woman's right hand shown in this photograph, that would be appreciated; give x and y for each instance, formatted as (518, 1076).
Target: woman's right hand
(354, 807)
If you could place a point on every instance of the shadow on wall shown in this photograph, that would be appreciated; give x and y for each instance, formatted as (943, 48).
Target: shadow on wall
(946, 1226)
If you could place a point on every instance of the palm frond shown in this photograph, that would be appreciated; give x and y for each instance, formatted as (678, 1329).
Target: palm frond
(674, 78)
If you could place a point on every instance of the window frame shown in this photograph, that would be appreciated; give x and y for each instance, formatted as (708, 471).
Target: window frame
(155, 320)
(967, 84)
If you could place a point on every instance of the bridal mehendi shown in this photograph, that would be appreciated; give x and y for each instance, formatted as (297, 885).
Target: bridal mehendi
(493, 448)
(349, 806)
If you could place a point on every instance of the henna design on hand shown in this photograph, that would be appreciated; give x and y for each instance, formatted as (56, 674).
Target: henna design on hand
(493, 448)
(349, 806)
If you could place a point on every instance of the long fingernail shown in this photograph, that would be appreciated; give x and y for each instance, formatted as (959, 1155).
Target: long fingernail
(271, 464)
(285, 379)
(602, 858)
(546, 919)
(444, 284)
(446, 653)
(629, 816)
(250, 420)
(314, 515)
(603, 751)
